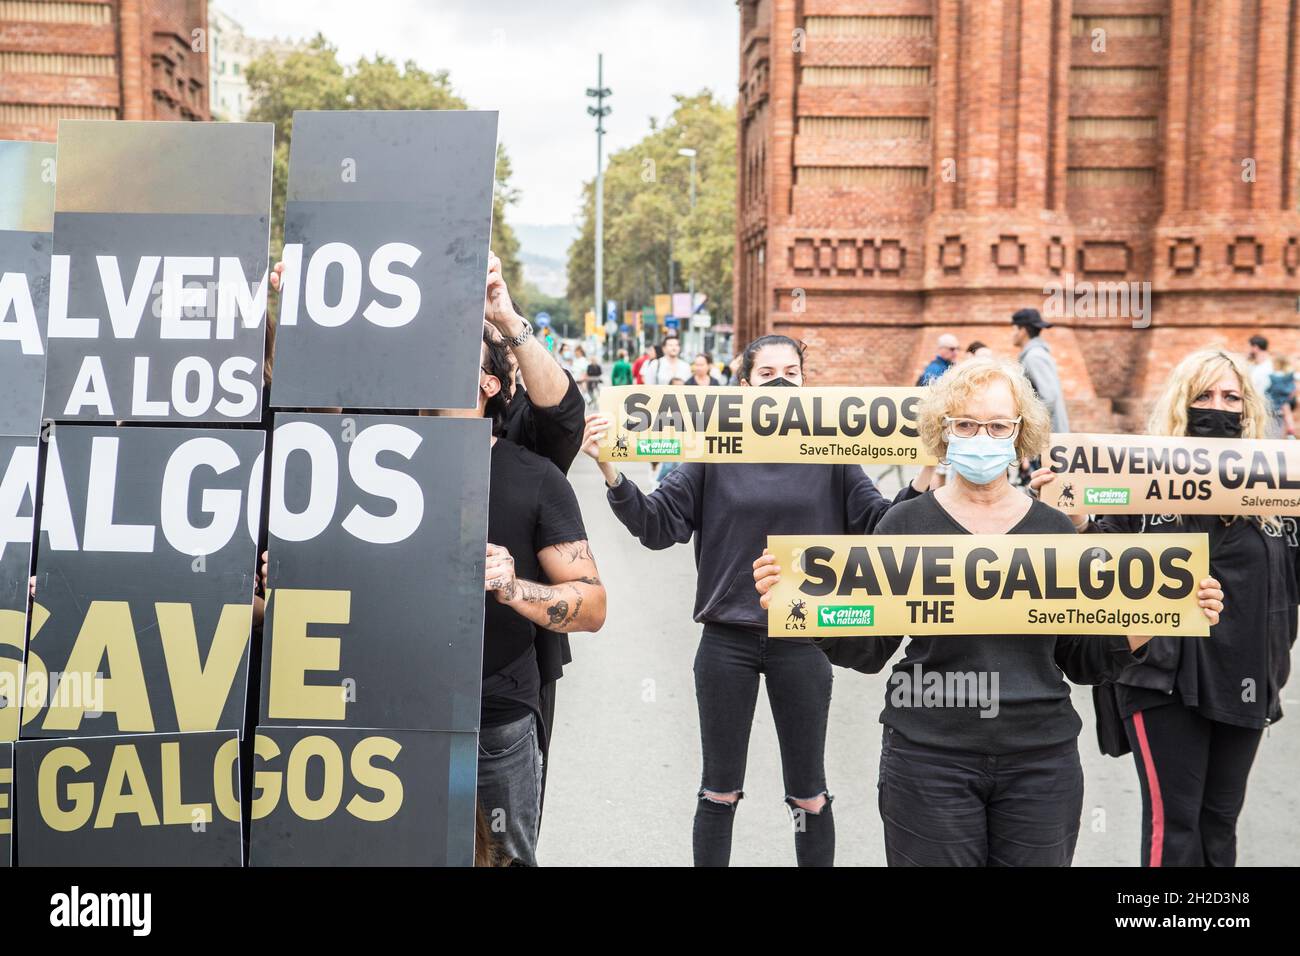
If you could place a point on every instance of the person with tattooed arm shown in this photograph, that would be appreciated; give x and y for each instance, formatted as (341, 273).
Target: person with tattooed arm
(539, 573)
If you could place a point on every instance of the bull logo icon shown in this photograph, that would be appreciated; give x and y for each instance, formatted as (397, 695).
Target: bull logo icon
(620, 447)
(1067, 494)
(797, 619)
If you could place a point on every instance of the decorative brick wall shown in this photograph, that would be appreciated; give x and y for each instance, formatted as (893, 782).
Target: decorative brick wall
(913, 167)
(100, 59)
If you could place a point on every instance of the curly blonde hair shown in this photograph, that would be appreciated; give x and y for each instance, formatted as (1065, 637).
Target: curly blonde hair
(949, 394)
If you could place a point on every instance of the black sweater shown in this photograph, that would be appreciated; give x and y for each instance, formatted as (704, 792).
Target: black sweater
(1031, 705)
(1259, 568)
(731, 509)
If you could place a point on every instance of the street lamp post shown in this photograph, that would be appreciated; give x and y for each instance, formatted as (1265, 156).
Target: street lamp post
(691, 329)
(600, 111)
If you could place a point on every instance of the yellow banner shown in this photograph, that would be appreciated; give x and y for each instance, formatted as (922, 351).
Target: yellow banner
(890, 585)
(663, 306)
(1147, 474)
(753, 424)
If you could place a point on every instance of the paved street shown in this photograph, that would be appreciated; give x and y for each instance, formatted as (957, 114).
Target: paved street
(626, 760)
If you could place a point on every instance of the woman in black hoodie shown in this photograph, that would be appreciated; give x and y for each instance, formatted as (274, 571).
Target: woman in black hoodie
(1194, 710)
(729, 510)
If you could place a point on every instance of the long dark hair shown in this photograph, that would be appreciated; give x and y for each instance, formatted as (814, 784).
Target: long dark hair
(498, 365)
(751, 351)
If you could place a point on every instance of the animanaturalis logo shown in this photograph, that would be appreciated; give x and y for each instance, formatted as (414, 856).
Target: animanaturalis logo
(847, 615)
(1105, 496)
(658, 446)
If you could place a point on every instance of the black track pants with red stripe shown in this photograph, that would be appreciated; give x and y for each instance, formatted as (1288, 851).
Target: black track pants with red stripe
(1193, 773)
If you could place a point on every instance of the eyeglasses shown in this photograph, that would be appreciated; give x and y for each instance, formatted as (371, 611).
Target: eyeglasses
(970, 427)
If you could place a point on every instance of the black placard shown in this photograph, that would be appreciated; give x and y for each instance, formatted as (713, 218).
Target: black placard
(18, 463)
(378, 528)
(158, 281)
(387, 222)
(129, 800)
(145, 573)
(26, 218)
(6, 803)
(357, 797)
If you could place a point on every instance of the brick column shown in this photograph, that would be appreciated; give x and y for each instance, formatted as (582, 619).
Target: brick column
(136, 69)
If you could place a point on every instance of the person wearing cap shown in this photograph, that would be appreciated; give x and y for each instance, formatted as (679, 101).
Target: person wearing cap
(1040, 367)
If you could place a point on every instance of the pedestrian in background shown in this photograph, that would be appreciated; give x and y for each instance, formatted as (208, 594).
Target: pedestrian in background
(702, 370)
(1261, 363)
(1039, 365)
(649, 354)
(947, 350)
(1281, 395)
(621, 373)
(671, 365)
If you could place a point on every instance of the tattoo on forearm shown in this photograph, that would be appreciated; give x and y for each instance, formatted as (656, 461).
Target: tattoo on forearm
(532, 591)
(560, 614)
(561, 610)
(575, 551)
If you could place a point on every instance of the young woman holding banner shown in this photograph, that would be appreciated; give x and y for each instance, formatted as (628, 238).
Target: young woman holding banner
(1193, 711)
(996, 782)
(729, 509)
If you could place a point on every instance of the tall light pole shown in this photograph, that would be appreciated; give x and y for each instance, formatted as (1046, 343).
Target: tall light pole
(600, 111)
(691, 154)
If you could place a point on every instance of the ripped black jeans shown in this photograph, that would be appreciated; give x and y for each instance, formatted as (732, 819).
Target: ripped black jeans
(727, 668)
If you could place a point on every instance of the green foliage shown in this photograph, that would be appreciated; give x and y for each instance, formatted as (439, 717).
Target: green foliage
(647, 212)
(314, 79)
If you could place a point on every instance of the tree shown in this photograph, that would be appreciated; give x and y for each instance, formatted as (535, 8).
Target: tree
(313, 79)
(648, 219)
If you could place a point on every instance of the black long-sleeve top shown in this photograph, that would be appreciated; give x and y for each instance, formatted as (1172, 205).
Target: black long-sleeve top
(730, 510)
(1236, 675)
(1029, 706)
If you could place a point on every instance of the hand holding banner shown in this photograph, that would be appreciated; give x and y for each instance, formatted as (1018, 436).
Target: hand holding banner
(747, 424)
(892, 585)
(1157, 474)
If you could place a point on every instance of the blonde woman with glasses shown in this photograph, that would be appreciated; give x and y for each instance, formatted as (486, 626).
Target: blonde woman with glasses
(1193, 711)
(994, 781)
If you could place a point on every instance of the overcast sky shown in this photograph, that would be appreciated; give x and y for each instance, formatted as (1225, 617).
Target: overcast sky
(533, 61)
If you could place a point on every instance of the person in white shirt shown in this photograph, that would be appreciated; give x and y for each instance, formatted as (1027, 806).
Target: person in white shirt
(662, 371)
(1261, 363)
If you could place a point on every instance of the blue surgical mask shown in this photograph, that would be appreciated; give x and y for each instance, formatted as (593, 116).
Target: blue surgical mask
(981, 459)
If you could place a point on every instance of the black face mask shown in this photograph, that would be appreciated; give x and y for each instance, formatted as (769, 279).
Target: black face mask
(780, 383)
(1213, 423)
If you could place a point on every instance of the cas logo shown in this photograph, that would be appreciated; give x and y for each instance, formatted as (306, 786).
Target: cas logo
(76, 908)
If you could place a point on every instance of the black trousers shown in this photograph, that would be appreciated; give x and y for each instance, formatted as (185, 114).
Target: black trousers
(728, 666)
(955, 808)
(546, 705)
(1193, 773)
